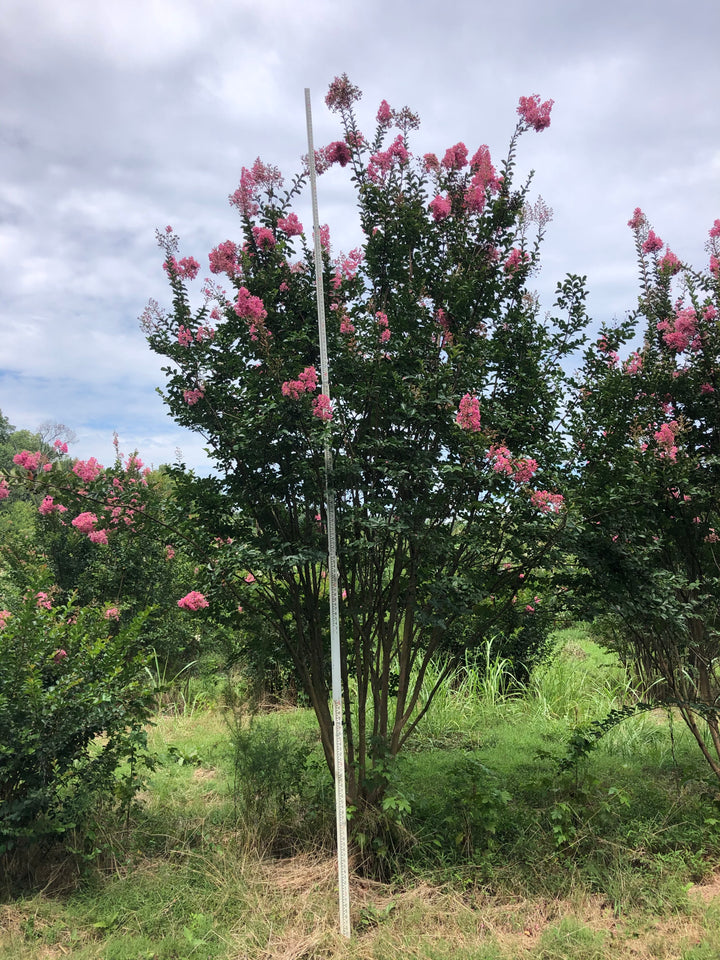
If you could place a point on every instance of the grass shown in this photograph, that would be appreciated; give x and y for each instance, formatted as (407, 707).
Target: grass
(503, 857)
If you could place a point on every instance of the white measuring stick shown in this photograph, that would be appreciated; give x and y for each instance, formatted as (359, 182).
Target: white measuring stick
(339, 741)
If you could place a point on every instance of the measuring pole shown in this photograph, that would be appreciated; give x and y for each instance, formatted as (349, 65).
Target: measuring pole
(339, 741)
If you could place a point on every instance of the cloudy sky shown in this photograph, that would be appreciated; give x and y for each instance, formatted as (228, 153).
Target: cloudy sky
(120, 117)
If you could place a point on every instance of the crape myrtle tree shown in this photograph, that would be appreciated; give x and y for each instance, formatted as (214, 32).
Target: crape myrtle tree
(447, 392)
(648, 430)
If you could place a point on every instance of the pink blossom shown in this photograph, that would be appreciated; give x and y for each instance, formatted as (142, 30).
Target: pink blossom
(249, 307)
(652, 244)
(193, 601)
(188, 268)
(709, 312)
(30, 461)
(346, 326)
(638, 219)
(325, 237)
(534, 113)
(547, 502)
(42, 600)
(98, 536)
(665, 438)
(338, 152)
(680, 333)
(169, 552)
(714, 265)
(430, 162)
(455, 157)
(112, 613)
(191, 397)
(440, 207)
(342, 94)
(707, 388)
(264, 238)
(516, 260)
(322, 408)
(85, 522)
(4, 490)
(715, 229)
(524, 469)
(184, 337)
(4, 617)
(669, 263)
(444, 323)
(500, 458)
(59, 656)
(468, 415)
(249, 578)
(60, 446)
(49, 506)
(634, 363)
(204, 333)
(384, 114)
(290, 225)
(87, 470)
(224, 259)
(306, 383)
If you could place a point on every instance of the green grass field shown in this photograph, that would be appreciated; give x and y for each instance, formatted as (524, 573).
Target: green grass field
(485, 850)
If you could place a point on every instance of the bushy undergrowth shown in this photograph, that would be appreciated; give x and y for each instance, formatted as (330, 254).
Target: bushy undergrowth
(74, 704)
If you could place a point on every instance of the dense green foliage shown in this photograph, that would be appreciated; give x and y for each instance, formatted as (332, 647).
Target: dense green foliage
(648, 431)
(74, 702)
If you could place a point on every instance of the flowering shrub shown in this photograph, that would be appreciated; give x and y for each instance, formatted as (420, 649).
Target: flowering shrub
(438, 355)
(74, 699)
(648, 434)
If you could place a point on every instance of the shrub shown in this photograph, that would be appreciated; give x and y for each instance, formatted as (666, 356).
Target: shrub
(74, 698)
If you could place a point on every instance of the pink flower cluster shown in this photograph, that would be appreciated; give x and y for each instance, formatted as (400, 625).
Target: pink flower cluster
(440, 207)
(669, 263)
(87, 470)
(455, 157)
(342, 94)
(191, 397)
(521, 469)
(60, 446)
(193, 601)
(4, 490)
(264, 238)
(48, 506)
(290, 225)
(468, 415)
(652, 244)
(484, 177)
(547, 502)
(381, 162)
(85, 522)
(516, 260)
(4, 617)
(30, 461)
(346, 267)
(42, 600)
(384, 325)
(261, 176)
(346, 325)
(634, 363)
(534, 113)
(322, 407)
(306, 383)
(112, 613)
(224, 259)
(681, 333)
(185, 337)
(186, 269)
(338, 152)
(665, 439)
(249, 307)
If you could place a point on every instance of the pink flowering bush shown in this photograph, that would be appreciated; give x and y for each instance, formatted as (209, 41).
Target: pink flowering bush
(647, 432)
(438, 355)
